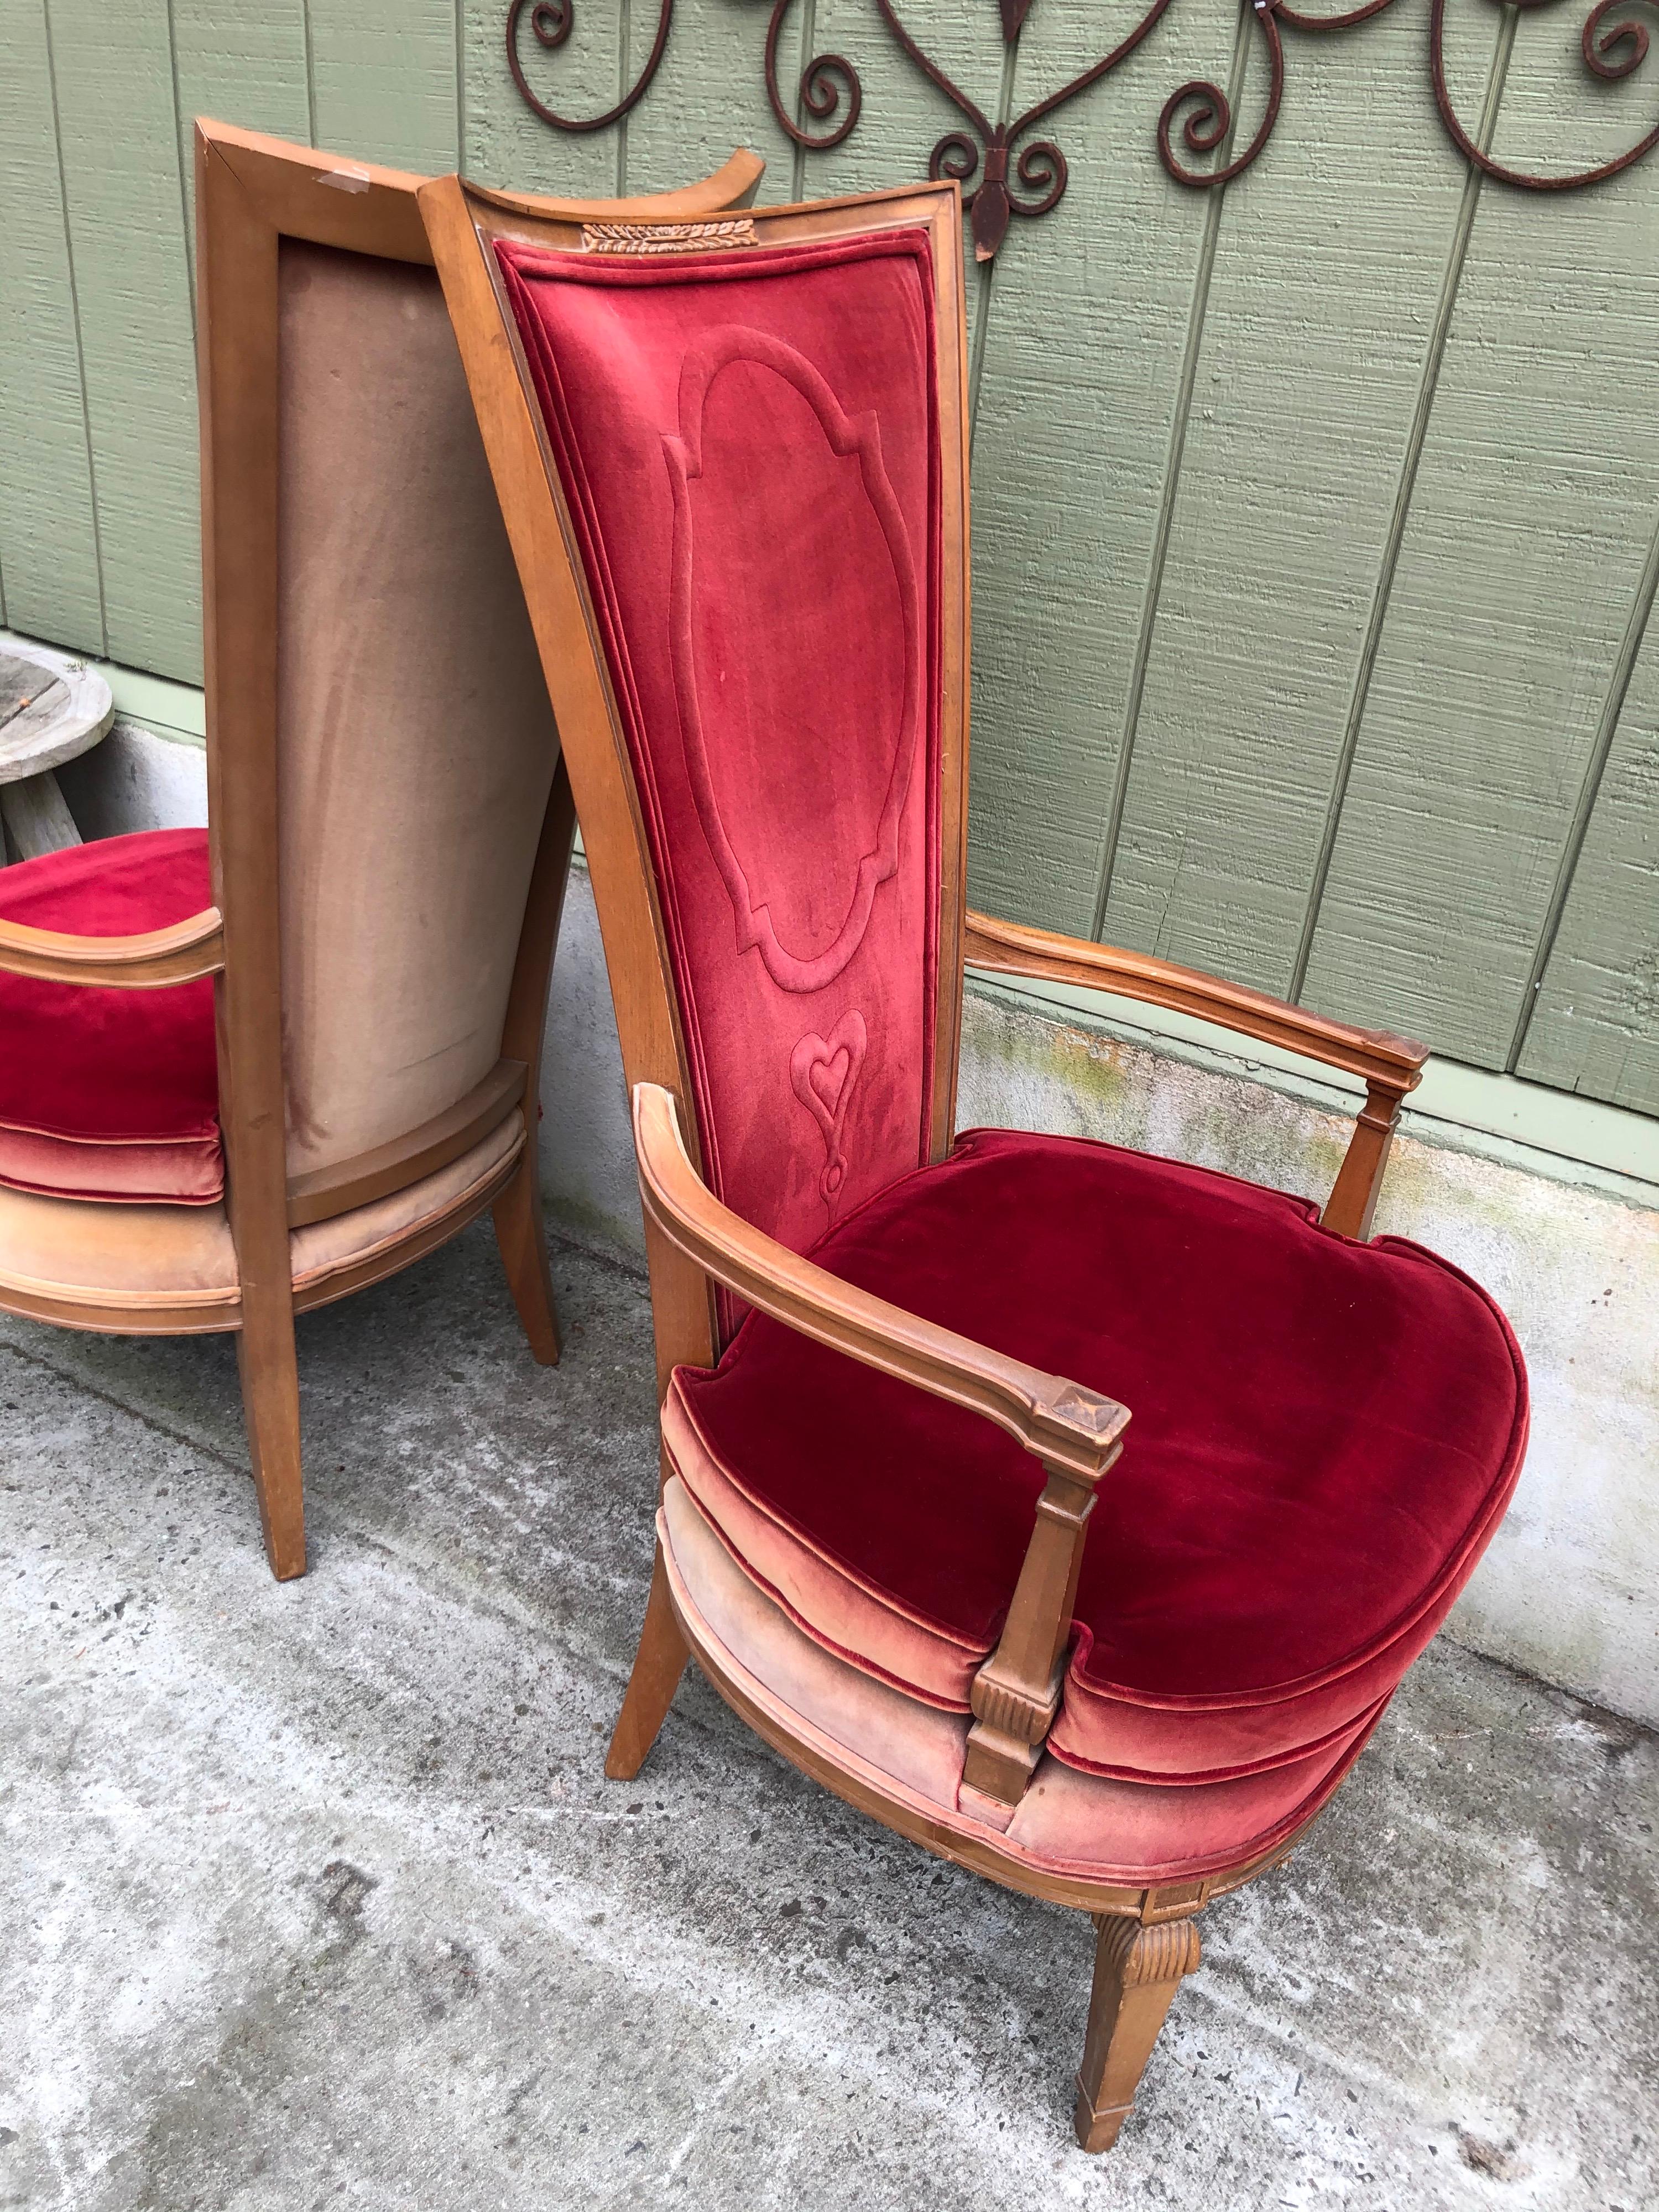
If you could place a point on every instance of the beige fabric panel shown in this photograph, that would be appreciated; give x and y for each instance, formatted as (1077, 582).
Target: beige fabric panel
(170, 1255)
(329, 1248)
(417, 747)
(75, 1249)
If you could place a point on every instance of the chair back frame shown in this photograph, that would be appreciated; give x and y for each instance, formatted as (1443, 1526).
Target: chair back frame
(253, 192)
(464, 225)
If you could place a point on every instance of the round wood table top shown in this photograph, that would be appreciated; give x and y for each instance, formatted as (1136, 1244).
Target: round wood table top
(52, 707)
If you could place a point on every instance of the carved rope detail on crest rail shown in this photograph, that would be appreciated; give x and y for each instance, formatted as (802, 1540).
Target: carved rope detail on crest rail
(667, 237)
(1020, 175)
(849, 437)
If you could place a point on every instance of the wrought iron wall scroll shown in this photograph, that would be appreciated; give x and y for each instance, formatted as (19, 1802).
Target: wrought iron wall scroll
(1020, 175)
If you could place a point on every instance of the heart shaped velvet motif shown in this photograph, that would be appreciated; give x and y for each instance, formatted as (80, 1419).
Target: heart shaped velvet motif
(825, 1071)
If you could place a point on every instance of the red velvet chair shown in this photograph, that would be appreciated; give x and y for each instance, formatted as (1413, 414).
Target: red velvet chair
(907, 1527)
(378, 891)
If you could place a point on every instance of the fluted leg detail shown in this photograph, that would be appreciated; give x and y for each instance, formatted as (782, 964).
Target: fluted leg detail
(1137, 1971)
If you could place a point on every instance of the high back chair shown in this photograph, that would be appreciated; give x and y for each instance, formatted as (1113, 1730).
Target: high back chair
(909, 1527)
(248, 1070)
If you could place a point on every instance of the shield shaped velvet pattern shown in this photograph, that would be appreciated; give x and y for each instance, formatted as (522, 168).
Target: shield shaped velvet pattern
(749, 448)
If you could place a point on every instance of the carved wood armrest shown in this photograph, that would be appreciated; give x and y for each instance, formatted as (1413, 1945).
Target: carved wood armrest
(178, 954)
(1075, 1432)
(1389, 1067)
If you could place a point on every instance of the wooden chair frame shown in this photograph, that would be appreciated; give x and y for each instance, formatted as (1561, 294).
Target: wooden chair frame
(1146, 1940)
(252, 193)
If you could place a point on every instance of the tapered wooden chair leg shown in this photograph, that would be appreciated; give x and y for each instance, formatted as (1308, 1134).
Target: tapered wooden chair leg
(524, 1254)
(1137, 1973)
(271, 1406)
(658, 1665)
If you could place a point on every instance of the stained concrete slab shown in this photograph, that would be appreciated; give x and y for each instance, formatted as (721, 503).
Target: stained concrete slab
(318, 1895)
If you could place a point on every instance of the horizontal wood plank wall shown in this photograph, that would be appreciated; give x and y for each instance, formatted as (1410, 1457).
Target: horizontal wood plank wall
(708, 94)
(386, 81)
(1097, 317)
(1591, 1024)
(250, 65)
(1315, 341)
(1316, 521)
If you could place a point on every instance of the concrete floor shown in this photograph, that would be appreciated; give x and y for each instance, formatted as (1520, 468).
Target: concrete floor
(318, 1895)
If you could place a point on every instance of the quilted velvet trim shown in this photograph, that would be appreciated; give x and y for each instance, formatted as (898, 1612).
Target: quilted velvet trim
(930, 1662)
(129, 1170)
(1431, 1604)
(792, 1517)
(107, 1096)
(1435, 1596)
(937, 1668)
(1061, 1810)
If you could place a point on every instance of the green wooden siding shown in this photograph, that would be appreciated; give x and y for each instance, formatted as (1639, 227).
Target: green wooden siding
(1317, 522)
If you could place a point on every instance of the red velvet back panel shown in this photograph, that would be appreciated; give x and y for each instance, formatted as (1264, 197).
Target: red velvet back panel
(749, 445)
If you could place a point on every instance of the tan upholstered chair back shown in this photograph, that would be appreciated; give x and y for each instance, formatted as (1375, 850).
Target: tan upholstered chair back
(417, 747)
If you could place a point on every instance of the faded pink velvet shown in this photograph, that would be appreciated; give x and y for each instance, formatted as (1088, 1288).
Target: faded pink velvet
(1324, 1436)
(110, 1095)
(749, 448)
(1068, 1822)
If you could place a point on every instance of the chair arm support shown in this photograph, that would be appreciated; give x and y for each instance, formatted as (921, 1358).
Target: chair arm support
(1064, 1425)
(1389, 1067)
(178, 954)
(1075, 1432)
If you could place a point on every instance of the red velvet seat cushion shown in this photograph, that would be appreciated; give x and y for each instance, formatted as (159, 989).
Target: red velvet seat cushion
(1324, 1436)
(110, 1095)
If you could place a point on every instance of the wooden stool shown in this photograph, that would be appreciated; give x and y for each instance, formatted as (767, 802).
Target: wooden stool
(52, 707)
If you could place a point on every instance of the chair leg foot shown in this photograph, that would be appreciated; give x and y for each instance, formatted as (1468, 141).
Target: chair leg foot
(1137, 1971)
(658, 1665)
(518, 1213)
(271, 1406)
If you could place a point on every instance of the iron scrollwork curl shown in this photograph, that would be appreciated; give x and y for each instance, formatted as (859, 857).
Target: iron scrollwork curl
(552, 22)
(1611, 53)
(1039, 166)
(1005, 172)
(1209, 112)
(825, 81)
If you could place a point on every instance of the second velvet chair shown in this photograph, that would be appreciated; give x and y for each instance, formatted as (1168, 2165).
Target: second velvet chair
(376, 895)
